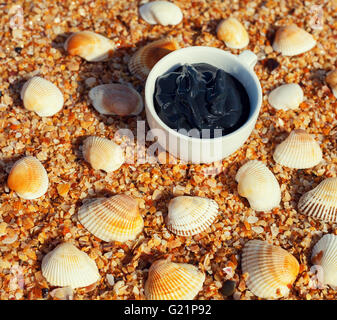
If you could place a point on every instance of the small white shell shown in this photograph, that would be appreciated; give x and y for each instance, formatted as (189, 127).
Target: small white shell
(161, 12)
(331, 80)
(287, 96)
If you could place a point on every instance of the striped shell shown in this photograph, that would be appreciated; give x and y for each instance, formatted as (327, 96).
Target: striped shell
(116, 99)
(271, 270)
(28, 178)
(331, 80)
(188, 216)
(298, 151)
(258, 184)
(292, 40)
(89, 45)
(68, 266)
(112, 219)
(146, 57)
(173, 281)
(103, 154)
(287, 96)
(321, 202)
(41, 96)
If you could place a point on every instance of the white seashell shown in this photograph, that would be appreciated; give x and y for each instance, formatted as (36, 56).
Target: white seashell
(68, 266)
(116, 99)
(161, 12)
(103, 154)
(331, 80)
(64, 293)
(292, 40)
(321, 202)
(188, 216)
(258, 184)
(298, 151)
(287, 96)
(41, 96)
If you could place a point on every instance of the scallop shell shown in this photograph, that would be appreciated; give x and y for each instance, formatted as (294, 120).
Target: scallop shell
(116, 99)
(188, 216)
(331, 80)
(287, 96)
(28, 178)
(89, 45)
(271, 270)
(68, 266)
(161, 12)
(258, 184)
(103, 154)
(42, 96)
(324, 254)
(321, 202)
(112, 219)
(233, 33)
(299, 151)
(292, 40)
(173, 281)
(146, 57)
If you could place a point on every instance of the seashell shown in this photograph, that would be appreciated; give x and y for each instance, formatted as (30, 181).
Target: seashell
(321, 202)
(89, 45)
(116, 99)
(64, 293)
(233, 33)
(188, 216)
(112, 219)
(173, 281)
(331, 80)
(146, 57)
(287, 96)
(41, 96)
(258, 184)
(68, 266)
(161, 12)
(292, 40)
(298, 151)
(103, 154)
(271, 270)
(28, 178)
(324, 255)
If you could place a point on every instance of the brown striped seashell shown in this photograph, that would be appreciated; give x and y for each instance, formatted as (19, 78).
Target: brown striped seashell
(331, 80)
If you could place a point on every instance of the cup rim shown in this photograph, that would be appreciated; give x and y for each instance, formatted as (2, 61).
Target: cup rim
(154, 114)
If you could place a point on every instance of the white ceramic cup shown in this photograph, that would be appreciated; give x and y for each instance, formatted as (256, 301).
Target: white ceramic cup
(197, 150)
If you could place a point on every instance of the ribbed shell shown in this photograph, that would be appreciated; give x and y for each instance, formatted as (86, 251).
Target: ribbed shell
(41, 96)
(259, 185)
(287, 96)
(188, 216)
(28, 178)
(112, 219)
(299, 151)
(331, 80)
(173, 281)
(271, 269)
(116, 99)
(68, 266)
(103, 154)
(321, 202)
(146, 57)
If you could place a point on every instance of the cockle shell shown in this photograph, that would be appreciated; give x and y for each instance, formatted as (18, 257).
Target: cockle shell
(271, 270)
(116, 99)
(233, 33)
(188, 216)
(68, 266)
(258, 184)
(41, 96)
(102, 154)
(298, 151)
(287, 96)
(89, 45)
(28, 178)
(161, 12)
(112, 219)
(146, 57)
(321, 202)
(292, 40)
(331, 80)
(173, 281)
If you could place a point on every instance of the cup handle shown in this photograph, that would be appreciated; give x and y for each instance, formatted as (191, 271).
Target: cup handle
(248, 58)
